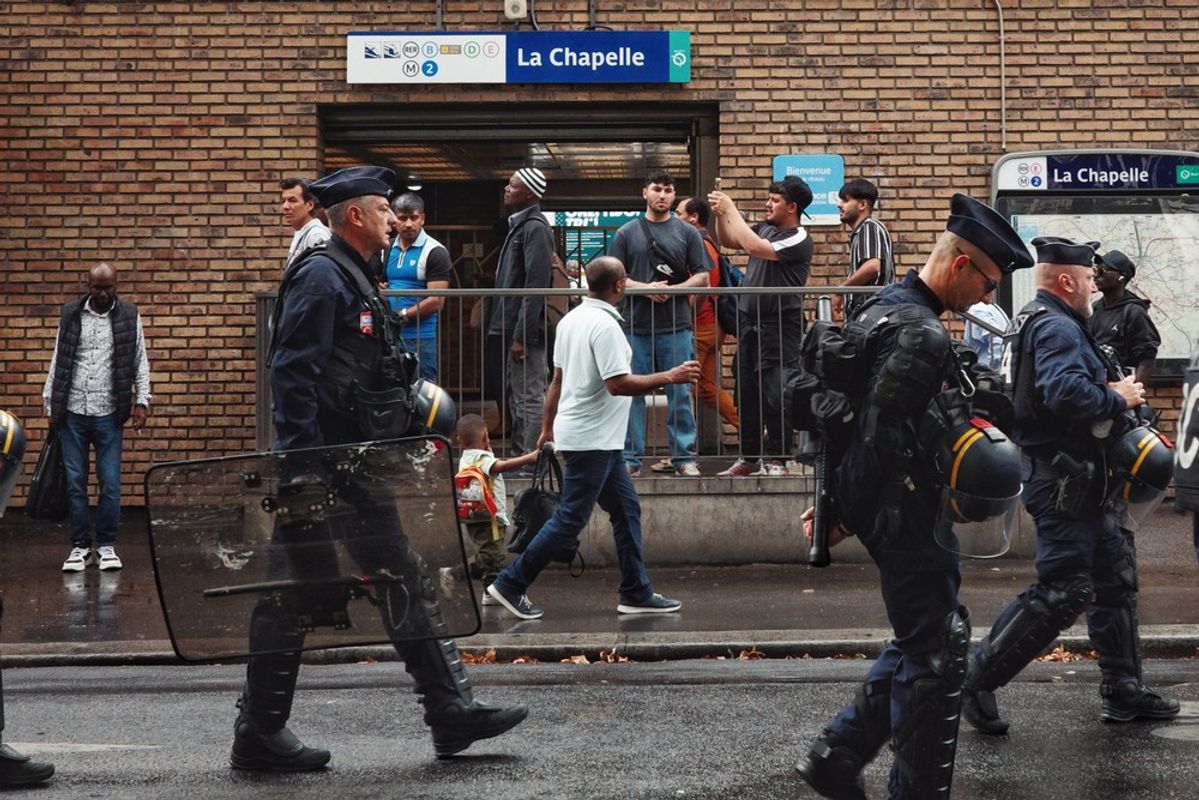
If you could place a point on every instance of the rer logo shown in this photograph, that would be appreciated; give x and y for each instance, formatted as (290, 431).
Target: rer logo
(1186, 173)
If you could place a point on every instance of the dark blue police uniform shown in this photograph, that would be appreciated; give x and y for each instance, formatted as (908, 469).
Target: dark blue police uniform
(327, 358)
(888, 493)
(1083, 559)
(323, 322)
(920, 580)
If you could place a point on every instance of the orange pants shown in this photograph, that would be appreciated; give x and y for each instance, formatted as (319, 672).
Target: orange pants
(707, 352)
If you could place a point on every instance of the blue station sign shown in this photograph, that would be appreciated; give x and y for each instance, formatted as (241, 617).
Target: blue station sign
(519, 57)
(1097, 172)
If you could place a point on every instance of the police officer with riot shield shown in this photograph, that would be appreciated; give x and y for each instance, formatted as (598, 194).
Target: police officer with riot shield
(15, 769)
(335, 379)
(921, 476)
(1091, 466)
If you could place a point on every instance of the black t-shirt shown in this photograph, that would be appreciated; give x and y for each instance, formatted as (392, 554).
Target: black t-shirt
(794, 249)
(684, 244)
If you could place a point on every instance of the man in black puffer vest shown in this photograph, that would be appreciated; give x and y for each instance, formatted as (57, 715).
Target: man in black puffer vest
(99, 379)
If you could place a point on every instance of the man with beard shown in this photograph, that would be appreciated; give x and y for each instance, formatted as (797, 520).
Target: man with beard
(659, 249)
(417, 261)
(99, 379)
(770, 326)
(515, 367)
(1120, 319)
(871, 261)
(1065, 403)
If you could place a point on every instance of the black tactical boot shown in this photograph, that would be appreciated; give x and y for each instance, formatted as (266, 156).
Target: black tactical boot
(457, 725)
(19, 770)
(980, 710)
(1126, 699)
(277, 751)
(833, 770)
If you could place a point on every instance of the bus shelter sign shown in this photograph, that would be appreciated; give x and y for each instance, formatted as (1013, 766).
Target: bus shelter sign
(562, 57)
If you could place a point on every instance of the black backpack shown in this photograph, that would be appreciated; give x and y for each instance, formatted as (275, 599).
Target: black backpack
(726, 304)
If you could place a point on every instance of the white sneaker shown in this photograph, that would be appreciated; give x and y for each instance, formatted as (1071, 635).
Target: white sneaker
(772, 468)
(108, 557)
(78, 560)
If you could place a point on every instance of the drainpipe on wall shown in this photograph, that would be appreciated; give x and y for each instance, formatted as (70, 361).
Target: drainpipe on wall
(1002, 81)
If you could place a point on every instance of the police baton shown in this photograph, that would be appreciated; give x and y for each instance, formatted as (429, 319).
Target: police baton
(818, 555)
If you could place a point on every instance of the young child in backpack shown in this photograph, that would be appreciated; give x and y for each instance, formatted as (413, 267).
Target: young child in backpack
(471, 436)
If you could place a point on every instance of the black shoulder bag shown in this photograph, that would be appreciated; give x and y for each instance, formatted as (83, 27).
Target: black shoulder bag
(665, 265)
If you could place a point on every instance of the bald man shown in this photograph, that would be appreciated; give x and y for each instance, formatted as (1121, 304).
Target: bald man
(99, 380)
(586, 414)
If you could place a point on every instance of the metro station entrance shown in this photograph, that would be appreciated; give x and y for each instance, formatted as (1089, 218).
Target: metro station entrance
(458, 157)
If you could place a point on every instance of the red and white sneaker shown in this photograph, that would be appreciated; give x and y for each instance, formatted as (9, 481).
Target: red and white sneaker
(740, 469)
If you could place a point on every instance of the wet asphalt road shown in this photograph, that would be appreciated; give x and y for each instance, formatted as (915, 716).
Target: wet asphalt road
(676, 729)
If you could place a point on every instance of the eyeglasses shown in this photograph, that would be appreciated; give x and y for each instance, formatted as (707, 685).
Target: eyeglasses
(992, 285)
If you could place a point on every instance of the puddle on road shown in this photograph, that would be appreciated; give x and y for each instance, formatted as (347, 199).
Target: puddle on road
(1185, 727)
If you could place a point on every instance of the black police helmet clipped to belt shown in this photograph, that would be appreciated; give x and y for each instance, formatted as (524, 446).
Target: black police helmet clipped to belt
(435, 412)
(1143, 461)
(980, 467)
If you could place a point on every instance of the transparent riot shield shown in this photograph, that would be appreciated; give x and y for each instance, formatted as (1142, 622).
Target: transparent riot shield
(329, 547)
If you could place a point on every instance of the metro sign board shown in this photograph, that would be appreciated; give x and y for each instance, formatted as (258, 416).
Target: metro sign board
(519, 57)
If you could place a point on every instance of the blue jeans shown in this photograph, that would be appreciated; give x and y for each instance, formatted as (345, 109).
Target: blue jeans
(656, 353)
(588, 477)
(425, 348)
(105, 434)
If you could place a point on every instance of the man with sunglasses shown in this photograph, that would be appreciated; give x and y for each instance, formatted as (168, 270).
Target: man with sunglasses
(1065, 405)
(889, 496)
(1120, 319)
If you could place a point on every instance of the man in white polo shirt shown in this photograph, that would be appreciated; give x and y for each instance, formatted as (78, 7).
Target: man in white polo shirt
(586, 416)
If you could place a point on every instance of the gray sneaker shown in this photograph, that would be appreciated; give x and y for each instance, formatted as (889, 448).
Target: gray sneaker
(655, 604)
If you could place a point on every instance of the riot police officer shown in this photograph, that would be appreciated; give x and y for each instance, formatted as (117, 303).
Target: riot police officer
(888, 493)
(15, 769)
(328, 360)
(1070, 410)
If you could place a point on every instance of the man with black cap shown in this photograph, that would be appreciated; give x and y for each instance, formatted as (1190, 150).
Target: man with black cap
(769, 326)
(516, 369)
(1120, 319)
(888, 493)
(330, 342)
(1067, 405)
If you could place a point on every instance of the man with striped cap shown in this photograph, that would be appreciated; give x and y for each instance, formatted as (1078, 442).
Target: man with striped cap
(515, 360)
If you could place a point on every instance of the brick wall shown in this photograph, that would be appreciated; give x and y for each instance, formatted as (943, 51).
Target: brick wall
(152, 134)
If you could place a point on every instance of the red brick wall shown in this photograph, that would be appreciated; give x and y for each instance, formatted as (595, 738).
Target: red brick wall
(151, 135)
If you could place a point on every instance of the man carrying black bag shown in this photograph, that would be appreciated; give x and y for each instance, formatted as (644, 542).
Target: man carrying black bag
(586, 414)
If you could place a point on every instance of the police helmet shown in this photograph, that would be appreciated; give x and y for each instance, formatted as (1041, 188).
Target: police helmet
(12, 451)
(435, 412)
(980, 474)
(1142, 462)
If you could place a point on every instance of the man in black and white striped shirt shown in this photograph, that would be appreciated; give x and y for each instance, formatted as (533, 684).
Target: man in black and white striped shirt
(871, 260)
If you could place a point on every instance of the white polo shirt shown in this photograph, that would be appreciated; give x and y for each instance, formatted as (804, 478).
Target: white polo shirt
(590, 347)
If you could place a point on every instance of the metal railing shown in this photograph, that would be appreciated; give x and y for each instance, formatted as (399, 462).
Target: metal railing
(746, 367)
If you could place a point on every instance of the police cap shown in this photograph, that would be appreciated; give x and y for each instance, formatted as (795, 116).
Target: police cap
(1114, 259)
(346, 184)
(1057, 250)
(986, 229)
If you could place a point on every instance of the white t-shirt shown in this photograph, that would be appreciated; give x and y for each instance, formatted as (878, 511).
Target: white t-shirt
(483, 459)
(590, 347)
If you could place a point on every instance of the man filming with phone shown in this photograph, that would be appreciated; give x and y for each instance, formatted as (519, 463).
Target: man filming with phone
(659, 249)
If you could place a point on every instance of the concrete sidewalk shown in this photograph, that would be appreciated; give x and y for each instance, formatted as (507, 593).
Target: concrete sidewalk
(53, 617)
